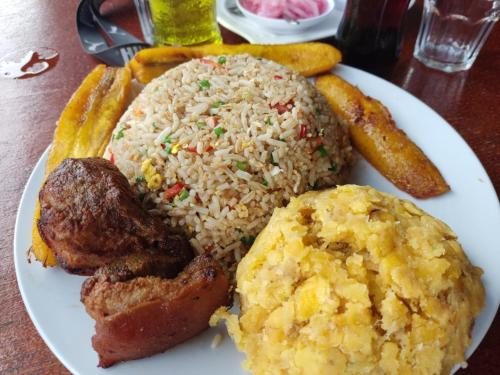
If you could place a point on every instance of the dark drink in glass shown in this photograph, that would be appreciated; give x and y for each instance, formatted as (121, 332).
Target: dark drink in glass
(370, 31)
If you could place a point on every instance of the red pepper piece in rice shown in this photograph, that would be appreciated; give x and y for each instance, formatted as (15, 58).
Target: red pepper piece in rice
(316, 142)
(282, 108)
(138, 112)
(215, 120)
(211, 63)
(172, 191)
(303, 131)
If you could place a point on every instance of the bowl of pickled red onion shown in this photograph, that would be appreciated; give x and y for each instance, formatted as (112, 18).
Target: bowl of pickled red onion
(286, 16)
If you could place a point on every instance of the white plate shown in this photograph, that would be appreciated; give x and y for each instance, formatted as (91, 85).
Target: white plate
(227, 16)
(472, 209)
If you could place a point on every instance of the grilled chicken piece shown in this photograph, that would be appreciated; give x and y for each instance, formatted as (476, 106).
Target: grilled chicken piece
(138, 317)
(90, 217)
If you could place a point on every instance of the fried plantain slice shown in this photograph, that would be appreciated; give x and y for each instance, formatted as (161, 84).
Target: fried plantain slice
(307, 58)
(375, 135)
(84, 130)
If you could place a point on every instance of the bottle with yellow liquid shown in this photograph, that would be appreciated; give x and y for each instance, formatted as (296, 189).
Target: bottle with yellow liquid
(184, 22)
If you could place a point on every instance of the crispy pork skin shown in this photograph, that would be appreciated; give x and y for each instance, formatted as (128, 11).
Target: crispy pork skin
(90, 216)
(141, 316)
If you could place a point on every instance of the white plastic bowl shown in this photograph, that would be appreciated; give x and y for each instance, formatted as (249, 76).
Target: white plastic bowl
(281, 26)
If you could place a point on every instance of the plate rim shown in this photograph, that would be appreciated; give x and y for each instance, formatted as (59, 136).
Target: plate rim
(16, 252)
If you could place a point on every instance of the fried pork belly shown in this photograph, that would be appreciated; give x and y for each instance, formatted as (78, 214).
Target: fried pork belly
(140, 316)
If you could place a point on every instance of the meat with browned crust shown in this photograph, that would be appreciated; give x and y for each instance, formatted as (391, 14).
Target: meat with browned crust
(141, 316)
(90, 216)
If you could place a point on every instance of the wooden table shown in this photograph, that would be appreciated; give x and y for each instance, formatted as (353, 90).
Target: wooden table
(29, 109)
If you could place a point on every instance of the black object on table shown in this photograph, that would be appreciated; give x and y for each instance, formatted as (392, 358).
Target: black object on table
(370, 32)
(90, 23)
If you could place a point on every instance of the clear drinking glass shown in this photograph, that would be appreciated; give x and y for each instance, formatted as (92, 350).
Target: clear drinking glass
(452, 32)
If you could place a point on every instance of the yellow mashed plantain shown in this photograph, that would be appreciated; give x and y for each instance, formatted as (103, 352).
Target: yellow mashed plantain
(354, 281)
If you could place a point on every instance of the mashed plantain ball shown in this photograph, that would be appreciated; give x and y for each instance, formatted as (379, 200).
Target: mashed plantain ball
(354, 281)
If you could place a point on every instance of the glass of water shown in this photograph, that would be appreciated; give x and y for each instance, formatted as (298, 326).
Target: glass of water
(452, 32)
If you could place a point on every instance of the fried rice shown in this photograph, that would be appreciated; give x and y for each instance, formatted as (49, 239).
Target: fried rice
(215, 144)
